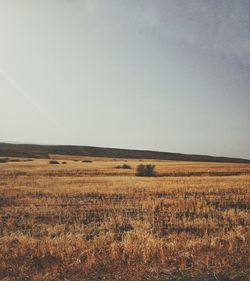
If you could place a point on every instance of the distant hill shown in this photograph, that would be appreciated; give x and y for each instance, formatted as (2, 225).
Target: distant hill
(43, 151)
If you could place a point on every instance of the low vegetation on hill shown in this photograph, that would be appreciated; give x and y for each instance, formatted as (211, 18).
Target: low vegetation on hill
(44, 151)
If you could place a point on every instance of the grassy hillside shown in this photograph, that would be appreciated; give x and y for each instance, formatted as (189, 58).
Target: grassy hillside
(43, 151)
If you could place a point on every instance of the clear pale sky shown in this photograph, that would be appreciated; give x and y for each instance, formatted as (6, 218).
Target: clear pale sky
(166, 75)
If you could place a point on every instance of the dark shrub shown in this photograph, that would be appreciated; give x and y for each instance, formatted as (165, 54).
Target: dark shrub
(87, 161)
(145, 170)
(53, 162)
(124, 166)
(64, 162)
(14, 160)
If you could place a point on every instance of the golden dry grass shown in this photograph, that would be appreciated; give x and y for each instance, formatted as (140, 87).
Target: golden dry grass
(84, 221)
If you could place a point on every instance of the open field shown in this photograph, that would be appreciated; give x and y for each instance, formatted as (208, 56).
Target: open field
(87, 220)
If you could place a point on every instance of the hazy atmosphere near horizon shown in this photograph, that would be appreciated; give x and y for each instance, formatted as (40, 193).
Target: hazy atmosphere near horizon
(166, 75)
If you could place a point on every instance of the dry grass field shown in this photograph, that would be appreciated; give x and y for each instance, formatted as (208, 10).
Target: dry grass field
(87, 220)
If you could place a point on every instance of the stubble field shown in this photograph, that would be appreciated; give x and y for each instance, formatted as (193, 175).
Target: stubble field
(87, 220)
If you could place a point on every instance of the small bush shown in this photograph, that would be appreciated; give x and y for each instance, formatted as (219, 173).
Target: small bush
(14, 160)
(124, 166)
(53, 162)
(87, 161)
(146, 170)
(64, 162)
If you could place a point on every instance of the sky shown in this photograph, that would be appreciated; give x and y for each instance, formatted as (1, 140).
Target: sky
(166, 75)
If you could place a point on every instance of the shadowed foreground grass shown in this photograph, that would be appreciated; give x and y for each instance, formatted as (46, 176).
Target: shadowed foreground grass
(90, 221)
